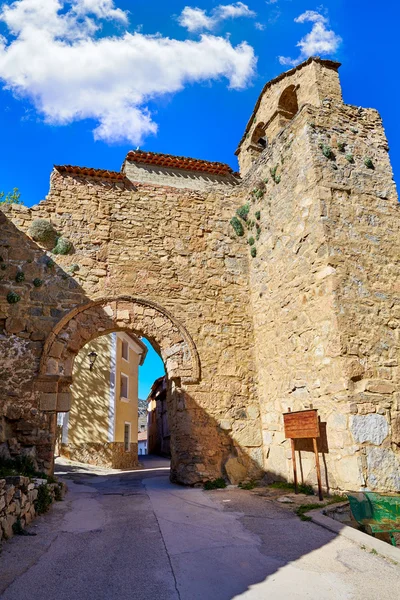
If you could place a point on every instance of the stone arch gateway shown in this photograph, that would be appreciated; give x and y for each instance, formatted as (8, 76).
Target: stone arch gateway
(135, 315)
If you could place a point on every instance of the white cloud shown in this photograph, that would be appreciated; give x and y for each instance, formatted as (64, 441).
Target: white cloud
(54, 59)
(259, 26)
(196, 19)
(319, 42)
(312, 16)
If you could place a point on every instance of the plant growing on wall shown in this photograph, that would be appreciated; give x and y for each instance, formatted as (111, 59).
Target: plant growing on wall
(63, 246)
(350, 158)
(253, 251)
(275, 177)
(13, 297)
(237, 226)
(37, 282)
(341, 146)
(74, 268)
(327, 151)
(251, 241)
(368, 163)
(243, 211)
(42, 231)
(20, 276)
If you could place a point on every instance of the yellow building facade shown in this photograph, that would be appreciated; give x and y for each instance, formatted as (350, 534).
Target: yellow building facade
(102, 425)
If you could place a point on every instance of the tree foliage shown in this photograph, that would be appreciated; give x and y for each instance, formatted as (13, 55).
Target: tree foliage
(13, 197)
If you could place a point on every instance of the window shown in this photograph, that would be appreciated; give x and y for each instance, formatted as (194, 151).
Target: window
(127, 437)
(125, 350)
(124, 391)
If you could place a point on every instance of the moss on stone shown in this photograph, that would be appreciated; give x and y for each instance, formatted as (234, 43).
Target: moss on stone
(63, 246)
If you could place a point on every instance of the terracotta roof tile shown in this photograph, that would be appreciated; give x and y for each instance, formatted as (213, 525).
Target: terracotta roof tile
(88, 172)
(178, 162)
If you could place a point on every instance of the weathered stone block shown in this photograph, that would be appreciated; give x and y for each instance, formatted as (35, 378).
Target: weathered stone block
(369, 428)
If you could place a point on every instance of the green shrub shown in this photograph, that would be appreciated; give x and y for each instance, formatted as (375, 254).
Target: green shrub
(74, 268)
(13, 297)
(243, 211)
(43, 500)
(251, 241)
(350, 158)
(20, 276)
(215, 484)
(253, 251)
(50, 263)
(37, 282)
(341, 146)
(63, 246)
(237, 226)
(368, 163)
(258, 215)
(42, 231)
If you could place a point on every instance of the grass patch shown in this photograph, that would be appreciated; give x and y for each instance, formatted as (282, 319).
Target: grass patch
(215, 484)
(304, 508)
(285, 485)
(249, 485)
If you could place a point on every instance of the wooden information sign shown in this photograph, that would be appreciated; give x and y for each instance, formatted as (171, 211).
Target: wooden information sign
(299, 425)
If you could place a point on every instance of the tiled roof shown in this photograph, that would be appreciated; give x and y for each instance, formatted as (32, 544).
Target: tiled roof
(330, 64)
(178, 162)
(88, 172)
(142, 436)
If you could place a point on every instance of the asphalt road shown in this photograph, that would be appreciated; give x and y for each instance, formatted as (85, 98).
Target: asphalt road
(134, 535)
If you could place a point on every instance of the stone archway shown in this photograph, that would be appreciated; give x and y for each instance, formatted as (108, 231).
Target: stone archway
(135, 315)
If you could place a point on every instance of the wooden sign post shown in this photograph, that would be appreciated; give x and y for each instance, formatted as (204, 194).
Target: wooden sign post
(299, 425)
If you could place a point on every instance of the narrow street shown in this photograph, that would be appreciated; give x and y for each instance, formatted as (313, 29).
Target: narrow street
(133, 535)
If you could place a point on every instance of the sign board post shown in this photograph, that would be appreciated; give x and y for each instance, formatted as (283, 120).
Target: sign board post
(299, 425)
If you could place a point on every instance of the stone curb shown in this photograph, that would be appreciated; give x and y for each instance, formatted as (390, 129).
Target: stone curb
(362, 539)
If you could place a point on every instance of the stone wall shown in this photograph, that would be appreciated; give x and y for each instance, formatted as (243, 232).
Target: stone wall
(107, 454)
(17, 501)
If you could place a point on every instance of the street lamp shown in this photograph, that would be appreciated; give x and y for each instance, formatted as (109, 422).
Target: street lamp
(92, 359)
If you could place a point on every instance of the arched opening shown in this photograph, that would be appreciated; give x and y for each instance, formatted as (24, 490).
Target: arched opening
(128, 320)
(113, 419)
(288, 105)
(258, 140)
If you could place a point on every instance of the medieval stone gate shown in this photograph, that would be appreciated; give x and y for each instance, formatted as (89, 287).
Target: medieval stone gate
(273, 290)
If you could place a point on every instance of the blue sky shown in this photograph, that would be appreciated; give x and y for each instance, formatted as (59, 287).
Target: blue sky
(82, 82)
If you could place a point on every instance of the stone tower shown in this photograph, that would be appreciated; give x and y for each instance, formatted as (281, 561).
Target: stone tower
(324, 277)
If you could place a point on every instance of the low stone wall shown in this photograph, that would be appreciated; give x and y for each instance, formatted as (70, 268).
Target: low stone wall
(17, 501)
(108, 454)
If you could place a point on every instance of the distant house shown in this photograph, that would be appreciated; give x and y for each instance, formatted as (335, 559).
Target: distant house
(157, 419)
(101, 427)
(142, 443)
